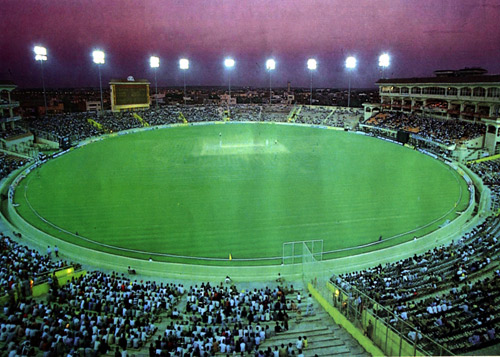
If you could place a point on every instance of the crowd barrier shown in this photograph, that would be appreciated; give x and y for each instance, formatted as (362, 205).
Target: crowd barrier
(362, 312)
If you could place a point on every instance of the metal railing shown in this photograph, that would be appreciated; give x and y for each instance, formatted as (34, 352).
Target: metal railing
(393, 335)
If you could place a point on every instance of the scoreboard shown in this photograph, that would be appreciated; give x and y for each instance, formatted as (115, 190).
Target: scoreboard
(129, 94)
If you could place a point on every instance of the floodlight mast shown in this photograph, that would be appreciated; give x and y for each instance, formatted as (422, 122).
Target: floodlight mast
(154, 62)
(98, 57)
(270, 65)
(384, 61)
(350, 64)
(184, 66)
(311, 65)
(229, 64)
(41, 55)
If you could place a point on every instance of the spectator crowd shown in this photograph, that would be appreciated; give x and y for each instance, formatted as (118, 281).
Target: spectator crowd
(443, 131)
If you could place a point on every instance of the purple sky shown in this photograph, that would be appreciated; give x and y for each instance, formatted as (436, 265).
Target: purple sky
(420, 35)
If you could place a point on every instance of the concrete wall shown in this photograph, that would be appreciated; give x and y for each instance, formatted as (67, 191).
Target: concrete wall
(49, 143)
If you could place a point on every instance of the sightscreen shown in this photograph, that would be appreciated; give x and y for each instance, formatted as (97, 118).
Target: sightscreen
(127, 94)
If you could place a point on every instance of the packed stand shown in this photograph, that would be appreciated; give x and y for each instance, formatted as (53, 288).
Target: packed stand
(12, 132)
(74, 125)
(275, 113)
(10, 163)
(489, 171)
(77, 127)
(98, 313)
(326, 115)
(219, 319)
(89, 315)
(21, 264)
(313, 115)
(245, 112)
(443, 131)
(405, 287)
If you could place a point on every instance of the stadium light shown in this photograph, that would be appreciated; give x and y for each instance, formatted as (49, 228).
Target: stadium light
(270, 66)
(350, 64)
(98, 57)
(384, 61)
(311, 65)
(229, 64)
(154, 62)
(184, 65)
(41, 55)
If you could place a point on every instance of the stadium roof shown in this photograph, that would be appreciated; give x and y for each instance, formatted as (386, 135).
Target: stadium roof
(442, 80)
(7, 84)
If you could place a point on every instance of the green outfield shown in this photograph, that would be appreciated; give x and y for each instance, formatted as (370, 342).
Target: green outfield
(187, 193)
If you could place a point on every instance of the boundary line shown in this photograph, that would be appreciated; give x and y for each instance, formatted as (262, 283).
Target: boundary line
(278, 258)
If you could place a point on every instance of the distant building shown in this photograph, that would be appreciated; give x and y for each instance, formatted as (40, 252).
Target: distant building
(7, 105)
(53, 107)
(226, 99)
(93, 106)
(288, 98)
(160, 97)
(467, 94)
(14, 139)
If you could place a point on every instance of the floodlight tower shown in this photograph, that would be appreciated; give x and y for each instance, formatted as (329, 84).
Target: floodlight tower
(154, 62)
(350, 64)
(384, 61)
(184, 66)
(41, 55)
(98, 57)
(311, 65)
(229, 64)
(270, 66)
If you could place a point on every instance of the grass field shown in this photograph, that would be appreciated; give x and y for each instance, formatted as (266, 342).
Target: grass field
(242, 189)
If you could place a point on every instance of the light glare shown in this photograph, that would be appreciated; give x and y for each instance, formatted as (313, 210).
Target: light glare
(270, 64)
(229, 62)
(384, 60)
(311, 64)
(184, 63)
(39, 50)
(40, 53)
(98, 56)
(154, 62)
(350, 62)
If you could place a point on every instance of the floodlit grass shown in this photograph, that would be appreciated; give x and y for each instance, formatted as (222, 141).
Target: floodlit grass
(241, 189)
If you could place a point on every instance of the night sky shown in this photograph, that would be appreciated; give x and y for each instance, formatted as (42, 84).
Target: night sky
(420, 35)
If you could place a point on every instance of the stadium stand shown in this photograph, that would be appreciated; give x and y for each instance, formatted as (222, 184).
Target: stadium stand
(9, 163)
(449, 293)
(489, 171)
(409, 287)
(442, 131)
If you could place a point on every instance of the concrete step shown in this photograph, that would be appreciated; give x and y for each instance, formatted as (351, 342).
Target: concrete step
(327, 351)
(305, 332)
(312, 341)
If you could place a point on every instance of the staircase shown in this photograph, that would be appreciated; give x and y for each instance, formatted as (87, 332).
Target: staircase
(324, 337)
